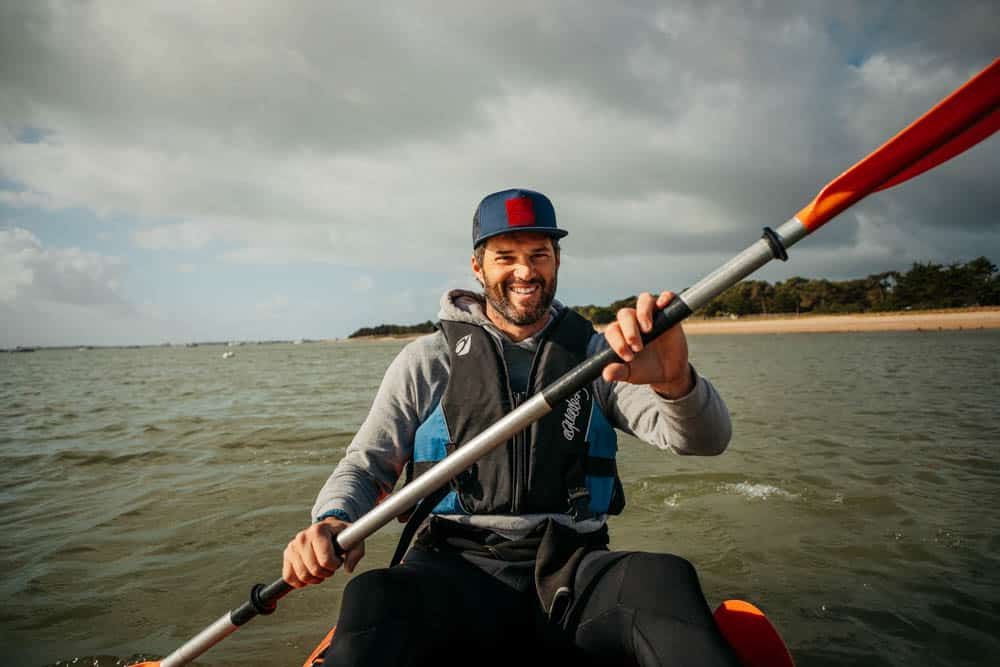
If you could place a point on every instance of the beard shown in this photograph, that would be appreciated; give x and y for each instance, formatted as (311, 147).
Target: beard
(497, 297)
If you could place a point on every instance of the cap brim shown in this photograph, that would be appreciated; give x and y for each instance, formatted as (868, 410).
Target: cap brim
(548, 231)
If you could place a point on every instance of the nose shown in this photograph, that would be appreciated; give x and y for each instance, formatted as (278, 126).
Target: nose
(524, 270)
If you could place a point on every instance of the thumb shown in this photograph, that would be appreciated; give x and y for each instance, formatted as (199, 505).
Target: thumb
(353, 557)
(617, 372)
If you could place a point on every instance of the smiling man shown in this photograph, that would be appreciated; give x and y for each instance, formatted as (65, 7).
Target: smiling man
(513, 561)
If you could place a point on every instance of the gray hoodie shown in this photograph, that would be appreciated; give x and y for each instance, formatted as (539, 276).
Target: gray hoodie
(415, 382)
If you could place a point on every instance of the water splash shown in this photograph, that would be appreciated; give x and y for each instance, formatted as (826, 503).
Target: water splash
(756, 491)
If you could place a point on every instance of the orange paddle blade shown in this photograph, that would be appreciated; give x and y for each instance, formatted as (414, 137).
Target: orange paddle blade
(752, 637)
(960, 121)
(154, 663)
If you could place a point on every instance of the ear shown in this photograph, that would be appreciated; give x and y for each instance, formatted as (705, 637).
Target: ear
(477, 271)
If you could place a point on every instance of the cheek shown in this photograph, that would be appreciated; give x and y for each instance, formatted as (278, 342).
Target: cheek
(496, 276)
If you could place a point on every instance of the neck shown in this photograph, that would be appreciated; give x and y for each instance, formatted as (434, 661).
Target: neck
(515, 332)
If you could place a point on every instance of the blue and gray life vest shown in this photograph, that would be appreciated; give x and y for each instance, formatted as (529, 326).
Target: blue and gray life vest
(563, 463)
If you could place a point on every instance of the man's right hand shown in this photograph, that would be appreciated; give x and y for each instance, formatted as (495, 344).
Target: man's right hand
(310, 558)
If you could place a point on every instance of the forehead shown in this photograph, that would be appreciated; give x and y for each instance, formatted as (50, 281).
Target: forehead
(518, 241)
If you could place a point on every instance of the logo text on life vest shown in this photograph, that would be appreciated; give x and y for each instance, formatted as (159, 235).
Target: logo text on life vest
(574, 405)
(463, 345)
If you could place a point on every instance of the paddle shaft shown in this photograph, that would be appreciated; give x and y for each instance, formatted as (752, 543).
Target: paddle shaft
(263, 600)
(748, 261)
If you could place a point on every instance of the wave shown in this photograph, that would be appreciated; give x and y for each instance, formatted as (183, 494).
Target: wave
(101, 457)
(757, 491)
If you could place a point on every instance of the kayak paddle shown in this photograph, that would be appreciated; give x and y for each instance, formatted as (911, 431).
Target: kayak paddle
(963, 119)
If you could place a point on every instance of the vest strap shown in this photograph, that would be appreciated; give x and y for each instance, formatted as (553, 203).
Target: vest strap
(422, 511)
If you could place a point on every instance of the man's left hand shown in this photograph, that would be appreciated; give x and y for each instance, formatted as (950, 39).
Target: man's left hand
(663, 364)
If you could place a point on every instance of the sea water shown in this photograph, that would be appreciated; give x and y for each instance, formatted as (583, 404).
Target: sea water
(144, 491)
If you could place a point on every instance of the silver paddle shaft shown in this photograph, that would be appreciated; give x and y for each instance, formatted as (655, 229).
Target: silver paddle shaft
(442, 473)
(730, 273)
(752, 258)
(200, 643)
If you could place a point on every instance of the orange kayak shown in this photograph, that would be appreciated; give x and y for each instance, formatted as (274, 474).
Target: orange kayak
(746, 628)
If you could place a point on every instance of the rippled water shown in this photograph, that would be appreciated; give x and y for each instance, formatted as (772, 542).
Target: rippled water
(143, 491)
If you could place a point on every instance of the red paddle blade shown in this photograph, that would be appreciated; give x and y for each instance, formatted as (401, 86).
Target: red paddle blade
(958, 122)
(751, 636)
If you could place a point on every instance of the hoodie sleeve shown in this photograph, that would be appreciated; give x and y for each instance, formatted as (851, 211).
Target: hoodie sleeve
(694, 424)
(412, 386)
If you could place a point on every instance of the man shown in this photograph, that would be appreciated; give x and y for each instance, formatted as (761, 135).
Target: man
(513, 562)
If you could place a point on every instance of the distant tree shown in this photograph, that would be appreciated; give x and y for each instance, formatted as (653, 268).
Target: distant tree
(394, 330)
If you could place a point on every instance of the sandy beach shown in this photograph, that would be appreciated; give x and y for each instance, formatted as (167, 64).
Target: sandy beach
(939, 320)
(929, 320)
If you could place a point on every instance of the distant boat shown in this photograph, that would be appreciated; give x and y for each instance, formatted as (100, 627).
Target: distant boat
(228, 355)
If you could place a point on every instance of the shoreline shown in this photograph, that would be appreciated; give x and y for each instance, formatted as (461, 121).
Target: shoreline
(931, 320)
(959, 319)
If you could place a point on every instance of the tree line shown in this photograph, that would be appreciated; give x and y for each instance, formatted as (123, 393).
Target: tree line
(924, 287)
(394, 330)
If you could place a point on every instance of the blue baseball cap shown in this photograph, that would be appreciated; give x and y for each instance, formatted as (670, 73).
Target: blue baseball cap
(514, 210)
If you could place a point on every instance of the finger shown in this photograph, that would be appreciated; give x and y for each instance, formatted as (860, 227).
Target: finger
(325, 555)
(645, 308)
(320, 561)
(664, 299)
(293, 570)
(303, 574)
(354, 556)
(630, 329)
(616, 341)
(288, 572)
(316, 552)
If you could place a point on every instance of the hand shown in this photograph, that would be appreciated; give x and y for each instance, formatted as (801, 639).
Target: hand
(310, 558)
(663, 365)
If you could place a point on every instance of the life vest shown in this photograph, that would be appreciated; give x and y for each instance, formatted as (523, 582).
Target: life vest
(563, 463)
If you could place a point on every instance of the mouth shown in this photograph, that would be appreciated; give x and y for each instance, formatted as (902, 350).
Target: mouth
(524, 290)
(524, 295)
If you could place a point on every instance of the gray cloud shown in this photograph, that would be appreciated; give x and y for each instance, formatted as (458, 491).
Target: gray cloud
(68, 276)
(364, 135)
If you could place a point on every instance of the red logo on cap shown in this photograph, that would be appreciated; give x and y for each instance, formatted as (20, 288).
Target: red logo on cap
(520, 212)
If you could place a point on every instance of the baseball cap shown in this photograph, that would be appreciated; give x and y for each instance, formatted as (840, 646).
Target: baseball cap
(516, 210)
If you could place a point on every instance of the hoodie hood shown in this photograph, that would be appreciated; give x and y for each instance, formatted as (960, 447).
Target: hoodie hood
(461, 305)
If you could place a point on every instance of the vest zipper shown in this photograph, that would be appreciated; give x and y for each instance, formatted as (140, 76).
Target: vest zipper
(515, 459)
(519, 473)
(522, 442)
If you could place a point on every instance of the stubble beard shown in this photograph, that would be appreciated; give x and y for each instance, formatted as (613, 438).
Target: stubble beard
(496, 296)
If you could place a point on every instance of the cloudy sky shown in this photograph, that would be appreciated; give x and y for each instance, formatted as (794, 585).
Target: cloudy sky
(177, 171)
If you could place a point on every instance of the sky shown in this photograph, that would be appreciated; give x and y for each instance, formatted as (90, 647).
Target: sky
(193, 171)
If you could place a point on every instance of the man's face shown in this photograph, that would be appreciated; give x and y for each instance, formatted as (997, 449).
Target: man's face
(518, 274)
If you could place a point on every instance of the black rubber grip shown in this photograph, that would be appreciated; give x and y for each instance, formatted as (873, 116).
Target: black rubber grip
(263, 600)
(588, 371)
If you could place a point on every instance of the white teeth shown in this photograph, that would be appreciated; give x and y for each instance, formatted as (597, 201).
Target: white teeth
(524, 290)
